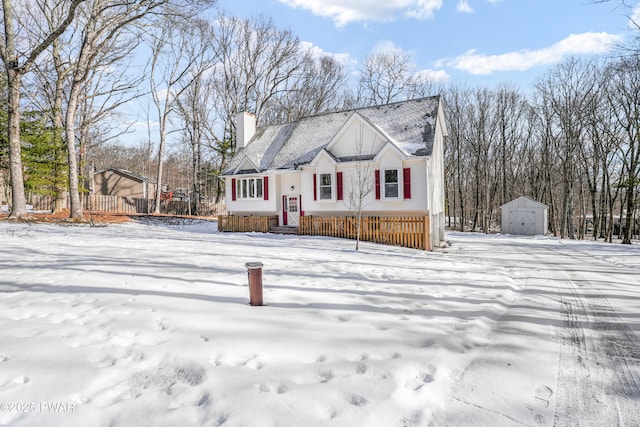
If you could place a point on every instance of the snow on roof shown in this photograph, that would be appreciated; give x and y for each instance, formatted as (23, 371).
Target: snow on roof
(522, 201)
(410, 125)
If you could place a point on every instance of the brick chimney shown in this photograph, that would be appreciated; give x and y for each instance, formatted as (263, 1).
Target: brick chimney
(245, 129)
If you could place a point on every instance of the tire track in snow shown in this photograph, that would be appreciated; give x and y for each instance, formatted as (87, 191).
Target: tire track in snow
(599, 361)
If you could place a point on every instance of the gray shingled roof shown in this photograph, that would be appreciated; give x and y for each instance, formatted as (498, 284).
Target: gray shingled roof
(132, 175)
(409, 124)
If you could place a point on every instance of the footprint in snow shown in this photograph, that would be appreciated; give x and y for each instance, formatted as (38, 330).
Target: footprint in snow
(423, 377)
(415, 419)
(325, 376)
(542, 394)
(279, 388)
(356, 400)
(20, 380)
(249, 362)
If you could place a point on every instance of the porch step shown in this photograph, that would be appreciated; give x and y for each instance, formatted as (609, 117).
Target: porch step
(283, 230)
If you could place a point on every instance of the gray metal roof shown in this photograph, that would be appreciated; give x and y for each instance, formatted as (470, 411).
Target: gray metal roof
(409, 124)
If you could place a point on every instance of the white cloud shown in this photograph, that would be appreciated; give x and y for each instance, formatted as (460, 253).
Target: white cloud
(464, 7)
(386, 46)
(344, 12)
(574, 44)
(423, 9)
(434, 76)
(317, 52)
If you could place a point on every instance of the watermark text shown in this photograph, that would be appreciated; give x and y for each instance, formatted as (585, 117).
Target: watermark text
(49, 407)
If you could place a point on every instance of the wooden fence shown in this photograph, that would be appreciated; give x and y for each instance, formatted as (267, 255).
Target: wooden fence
(406, 231)
(130, 205)
(245, 224)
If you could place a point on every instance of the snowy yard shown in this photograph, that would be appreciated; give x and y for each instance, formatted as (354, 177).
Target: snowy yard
(148, 324)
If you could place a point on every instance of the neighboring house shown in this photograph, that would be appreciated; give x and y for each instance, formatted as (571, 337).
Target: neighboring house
(524, 216)
(310, 166)
(118, 182)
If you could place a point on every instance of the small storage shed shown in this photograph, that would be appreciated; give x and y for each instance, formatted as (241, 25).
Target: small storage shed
(524, 216)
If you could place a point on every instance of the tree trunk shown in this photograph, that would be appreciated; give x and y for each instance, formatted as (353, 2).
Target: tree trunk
(18, 197)
(628, 222)
(72, 157)
(163, 136)
(58, 122)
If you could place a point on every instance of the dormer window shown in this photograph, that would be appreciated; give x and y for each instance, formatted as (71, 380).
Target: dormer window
(391, 183)
(325, 186)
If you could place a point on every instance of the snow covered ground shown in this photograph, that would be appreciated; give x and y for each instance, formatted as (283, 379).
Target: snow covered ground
(148, 324)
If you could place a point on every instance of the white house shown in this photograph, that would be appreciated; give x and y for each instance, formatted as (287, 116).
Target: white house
(311, 166)
(524, 216)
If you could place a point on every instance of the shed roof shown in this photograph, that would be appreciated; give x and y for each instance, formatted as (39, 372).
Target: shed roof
(524, 200)
(128, 174)
(410, 124)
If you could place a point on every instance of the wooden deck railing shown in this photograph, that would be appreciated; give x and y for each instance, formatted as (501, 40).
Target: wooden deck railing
(406, 231)
(245, 224)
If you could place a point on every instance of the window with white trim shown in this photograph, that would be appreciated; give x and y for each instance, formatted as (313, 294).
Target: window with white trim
(249, 188)
(391, 183)
(325, 186)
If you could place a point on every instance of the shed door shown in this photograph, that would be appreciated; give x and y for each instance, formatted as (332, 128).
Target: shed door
(523, 222)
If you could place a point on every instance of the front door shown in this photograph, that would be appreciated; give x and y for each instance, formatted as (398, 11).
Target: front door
(293, 211)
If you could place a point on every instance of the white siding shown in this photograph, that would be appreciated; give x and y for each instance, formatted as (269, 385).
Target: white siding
(252, 206)
(417, 205)
(357, 138)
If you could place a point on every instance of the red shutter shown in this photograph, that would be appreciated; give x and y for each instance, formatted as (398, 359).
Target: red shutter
(285, 213)
(340, 190)
(315, 188)
(406, 178)
(377, 175)
(233, 189)
(265, 187)
(300, 205)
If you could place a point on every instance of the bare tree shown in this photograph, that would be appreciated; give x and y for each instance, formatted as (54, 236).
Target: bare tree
(624, 99)
(316, 88)
(456, 153)
(19, 49)
(257, 63)
(104, 40)
(385, 76)
(361, 178)
(195, 109)
(178, 58)
(570, 88)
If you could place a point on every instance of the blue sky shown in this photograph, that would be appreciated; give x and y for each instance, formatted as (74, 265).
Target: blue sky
(478, 42)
